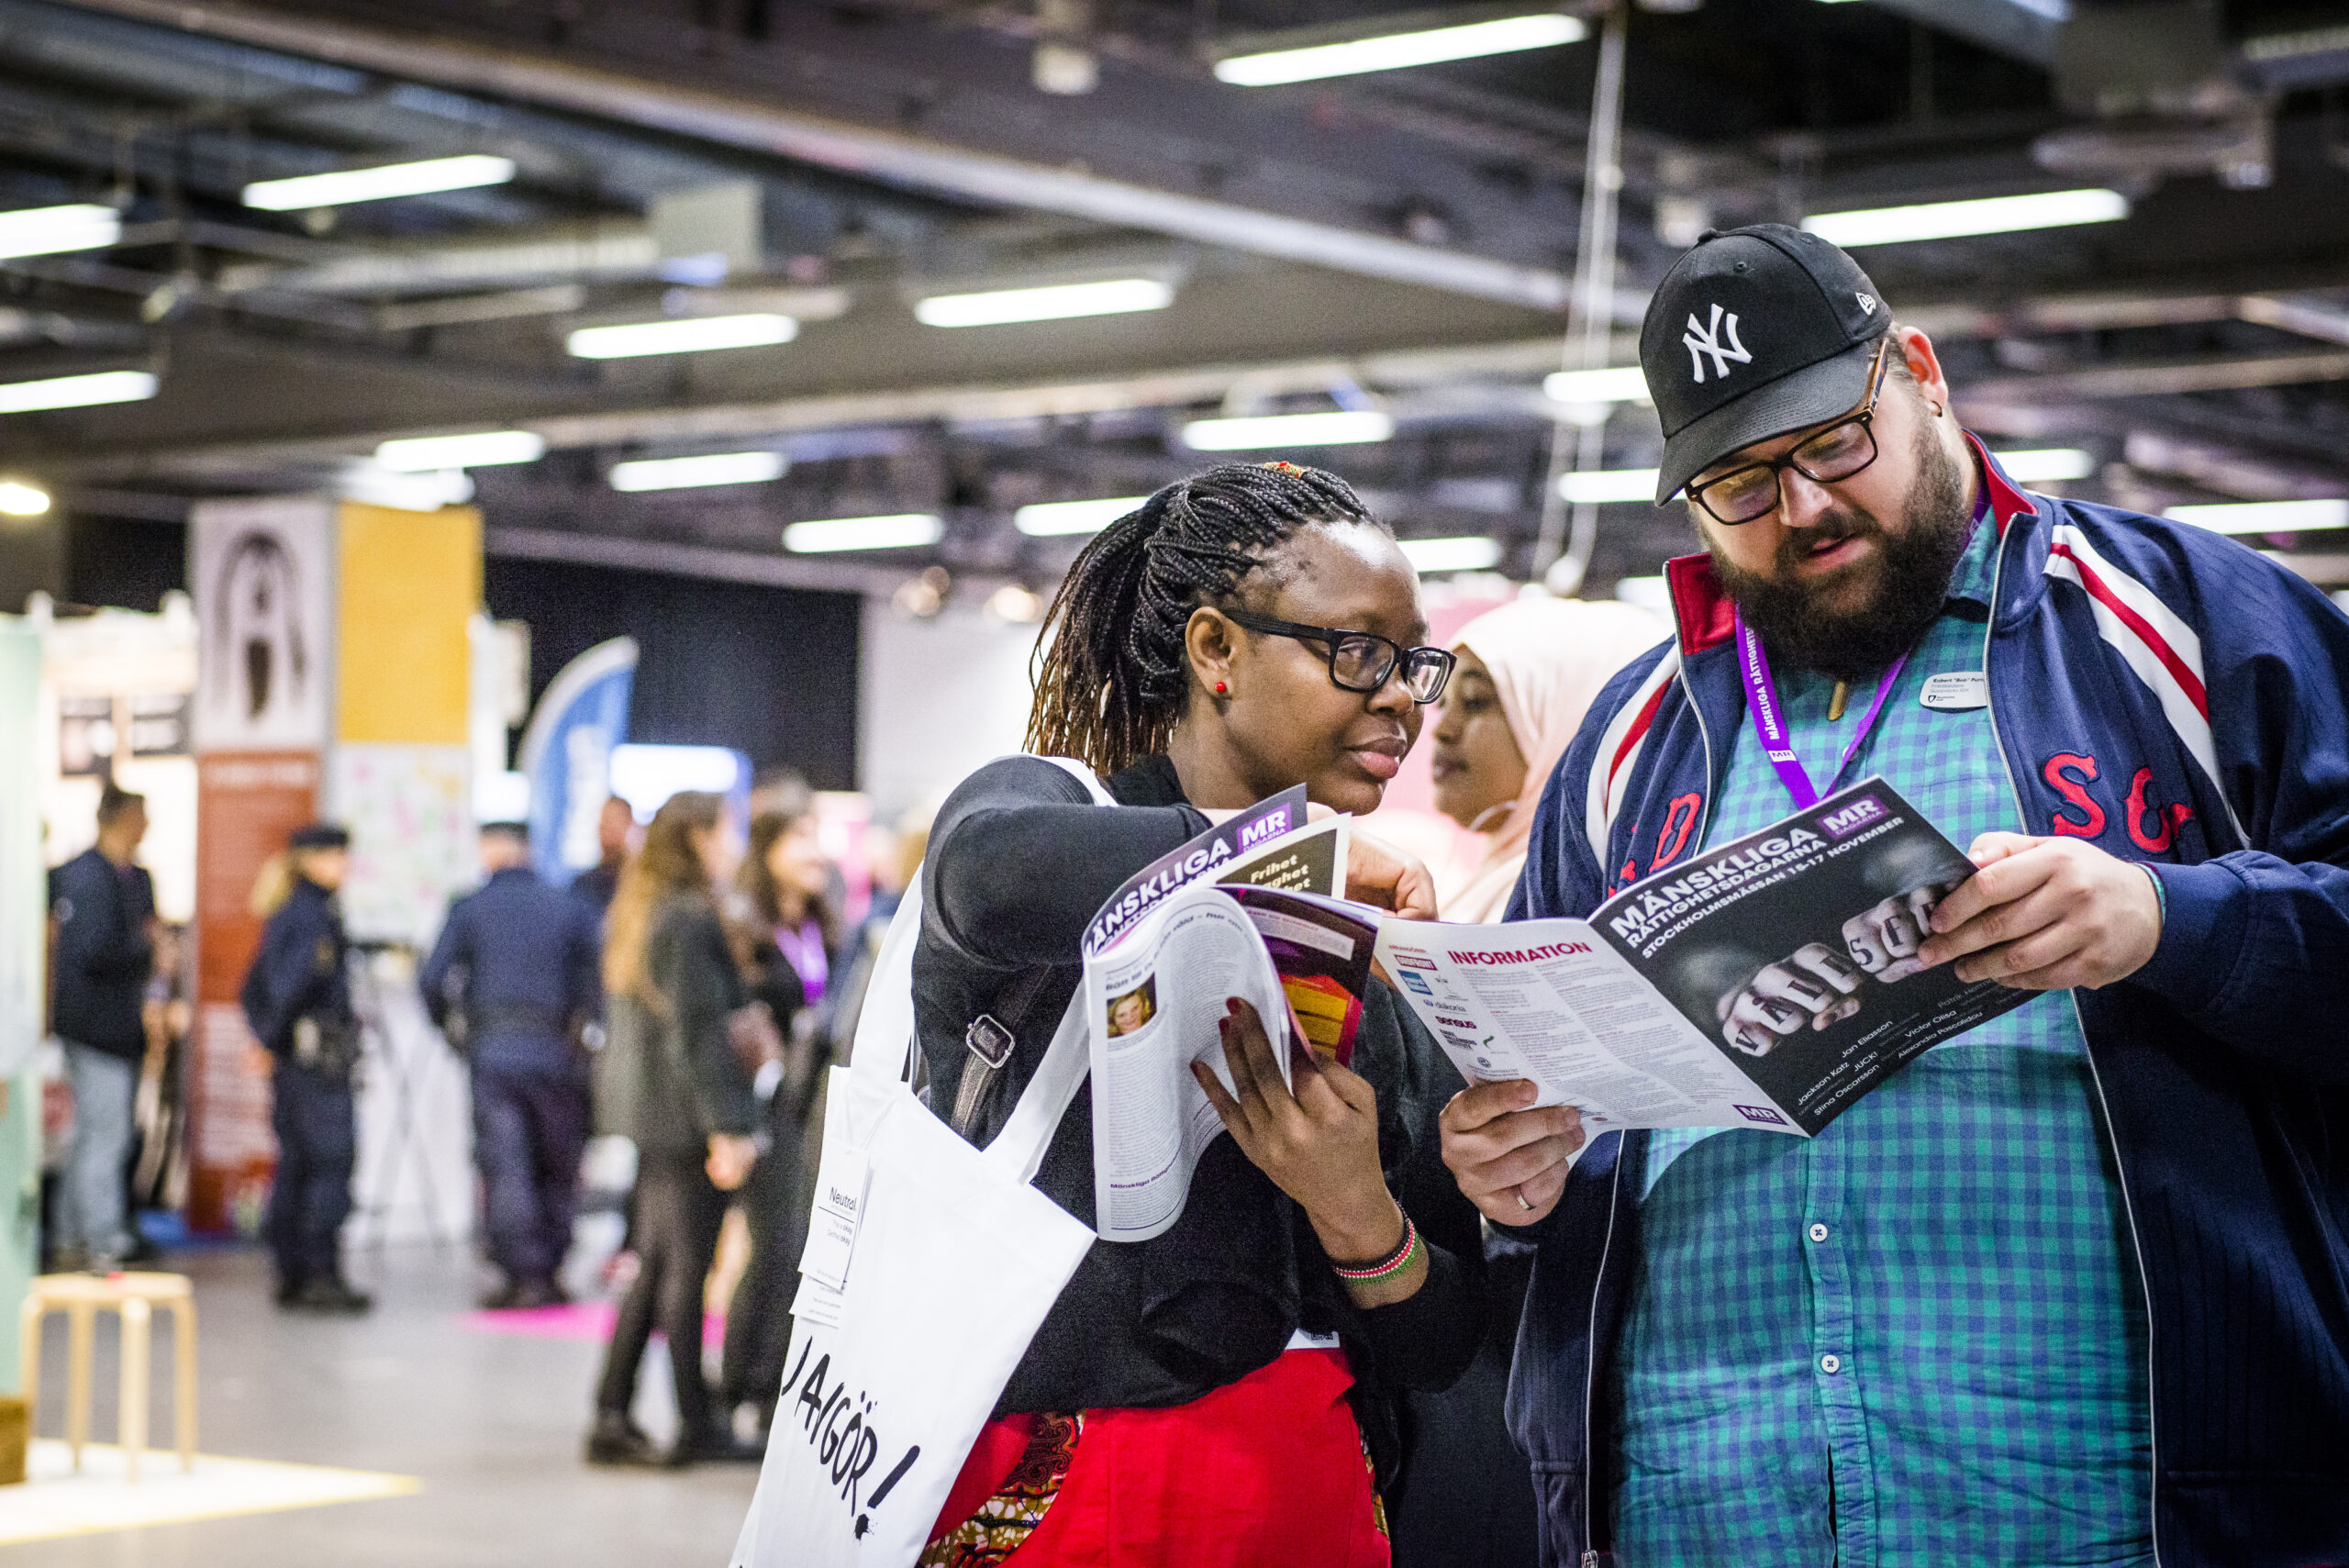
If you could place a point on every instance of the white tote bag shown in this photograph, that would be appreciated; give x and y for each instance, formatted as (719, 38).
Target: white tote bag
(954, 1262)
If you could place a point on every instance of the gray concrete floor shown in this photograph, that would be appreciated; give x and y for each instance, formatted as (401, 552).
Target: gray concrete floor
(491, 1423)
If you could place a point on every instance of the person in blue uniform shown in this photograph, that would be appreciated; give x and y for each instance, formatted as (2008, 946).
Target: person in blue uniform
(514, 977)
(296, 997)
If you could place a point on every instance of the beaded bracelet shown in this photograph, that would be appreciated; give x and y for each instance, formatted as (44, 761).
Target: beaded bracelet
(1387, 1267)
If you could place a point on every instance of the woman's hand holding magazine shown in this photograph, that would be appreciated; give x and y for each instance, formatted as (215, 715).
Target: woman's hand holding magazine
(1316, 1137)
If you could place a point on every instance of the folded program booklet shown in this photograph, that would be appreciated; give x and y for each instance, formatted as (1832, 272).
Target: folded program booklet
(1769, 982)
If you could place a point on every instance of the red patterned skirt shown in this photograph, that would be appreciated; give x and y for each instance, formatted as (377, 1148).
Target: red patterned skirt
(1265, 1473)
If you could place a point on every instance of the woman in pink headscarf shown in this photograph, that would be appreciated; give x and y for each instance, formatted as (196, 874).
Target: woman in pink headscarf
(1526, 674)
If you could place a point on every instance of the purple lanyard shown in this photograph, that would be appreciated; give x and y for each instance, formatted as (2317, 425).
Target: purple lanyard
(803, 950)
(1769, 722)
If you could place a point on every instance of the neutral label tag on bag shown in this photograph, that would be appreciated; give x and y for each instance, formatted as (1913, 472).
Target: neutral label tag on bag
(841, 1185)
(1957, 691)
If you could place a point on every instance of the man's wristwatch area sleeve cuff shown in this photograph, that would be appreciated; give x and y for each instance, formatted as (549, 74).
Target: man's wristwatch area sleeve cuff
(2205, 916)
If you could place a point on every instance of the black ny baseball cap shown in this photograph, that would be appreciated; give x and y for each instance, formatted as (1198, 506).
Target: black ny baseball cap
(1755, 332)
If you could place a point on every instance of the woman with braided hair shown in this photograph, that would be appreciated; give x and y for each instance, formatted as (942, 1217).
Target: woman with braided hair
(1222, 1394)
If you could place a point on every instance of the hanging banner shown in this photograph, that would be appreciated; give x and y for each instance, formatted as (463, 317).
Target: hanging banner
(566, 753)
(23, 880)
(261, 571)
(262, 574)
(408, 588)
(23, 932)
(250, 804)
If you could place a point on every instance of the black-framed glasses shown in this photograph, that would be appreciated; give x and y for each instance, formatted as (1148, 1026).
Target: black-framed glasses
(1364, 660)
(1839, 451)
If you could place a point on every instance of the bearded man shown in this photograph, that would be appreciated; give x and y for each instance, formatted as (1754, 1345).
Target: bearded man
(2072, 1287)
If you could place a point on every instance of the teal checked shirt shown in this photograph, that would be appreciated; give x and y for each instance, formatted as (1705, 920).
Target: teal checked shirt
(1917, 1338)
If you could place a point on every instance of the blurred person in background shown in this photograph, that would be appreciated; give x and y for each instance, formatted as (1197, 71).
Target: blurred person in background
(296, 997)
(615, 826)
(669, 1079)
(160, 1120)
(893, 859)
(784, 916)
(513, 982)
(1525, 674)
(104, 909)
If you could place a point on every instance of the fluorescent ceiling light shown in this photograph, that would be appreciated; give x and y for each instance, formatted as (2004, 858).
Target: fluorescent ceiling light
(50, 231)
(1048, 517)
(690, 335)
(1950, 221)
(77, 391)
(899, 530)
(690, 473)
(1344, 428)
(1622, 383)
(22, 500)
(1609, 484)
(340, 187)
(1430, 46)
(1052, 302)
(482, 448)
(2265, 516)
(1470, 554)
(427, 490)
(2040, 465)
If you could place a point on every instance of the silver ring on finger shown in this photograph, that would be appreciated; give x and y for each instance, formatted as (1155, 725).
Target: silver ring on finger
(1522, 1201)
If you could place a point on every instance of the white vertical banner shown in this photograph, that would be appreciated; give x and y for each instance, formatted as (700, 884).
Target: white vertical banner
(262, 571)
(24, 887)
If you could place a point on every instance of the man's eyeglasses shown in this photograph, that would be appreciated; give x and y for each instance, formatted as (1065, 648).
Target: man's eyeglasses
(1362, 661)
(1839, 451)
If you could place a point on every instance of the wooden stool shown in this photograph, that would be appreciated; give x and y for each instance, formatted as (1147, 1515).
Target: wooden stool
(135, 1295)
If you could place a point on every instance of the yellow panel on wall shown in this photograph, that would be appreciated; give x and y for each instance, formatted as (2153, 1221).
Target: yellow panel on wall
(410, 583)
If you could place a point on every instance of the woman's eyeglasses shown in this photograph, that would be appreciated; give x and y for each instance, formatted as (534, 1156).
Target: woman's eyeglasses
(1839, 451)
(1361, 660)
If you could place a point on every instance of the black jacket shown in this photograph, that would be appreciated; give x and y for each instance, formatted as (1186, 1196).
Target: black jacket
(526, 955)
(668, 1078)
(104, 958)
(299, 972)
(1019, 861)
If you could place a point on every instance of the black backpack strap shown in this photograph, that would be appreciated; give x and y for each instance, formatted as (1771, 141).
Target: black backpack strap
(990, 1041)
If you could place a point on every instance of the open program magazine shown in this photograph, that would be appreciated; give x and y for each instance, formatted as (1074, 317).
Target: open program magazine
(1221, 917)
(1769, 982)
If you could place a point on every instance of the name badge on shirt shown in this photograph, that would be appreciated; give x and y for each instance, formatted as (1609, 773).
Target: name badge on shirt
(1957, 691)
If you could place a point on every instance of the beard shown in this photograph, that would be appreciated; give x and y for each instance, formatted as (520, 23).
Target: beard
(1888, 599)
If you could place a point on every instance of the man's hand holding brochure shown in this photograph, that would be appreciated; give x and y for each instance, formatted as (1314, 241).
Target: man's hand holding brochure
(1767, 983)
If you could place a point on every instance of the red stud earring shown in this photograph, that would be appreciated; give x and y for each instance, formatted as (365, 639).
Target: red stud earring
(1221, 690)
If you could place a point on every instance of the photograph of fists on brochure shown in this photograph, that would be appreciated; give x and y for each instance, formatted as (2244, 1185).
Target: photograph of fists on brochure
(1816, 986)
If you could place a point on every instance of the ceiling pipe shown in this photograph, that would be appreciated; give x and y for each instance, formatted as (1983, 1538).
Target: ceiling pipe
(861, 151)
(1510, 361)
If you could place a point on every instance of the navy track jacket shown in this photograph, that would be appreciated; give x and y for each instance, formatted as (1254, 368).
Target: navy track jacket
(2172, 697)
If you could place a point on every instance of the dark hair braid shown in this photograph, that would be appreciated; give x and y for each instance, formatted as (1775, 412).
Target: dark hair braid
(1110, 671)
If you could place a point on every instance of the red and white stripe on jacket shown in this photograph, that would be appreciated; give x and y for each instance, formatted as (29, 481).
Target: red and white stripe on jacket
(2157, 645)
(1618, 749)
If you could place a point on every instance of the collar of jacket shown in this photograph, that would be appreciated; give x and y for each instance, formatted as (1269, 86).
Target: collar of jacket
(1704, 617)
